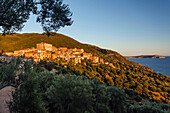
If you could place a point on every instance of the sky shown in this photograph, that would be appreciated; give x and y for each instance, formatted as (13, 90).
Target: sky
(130, 27)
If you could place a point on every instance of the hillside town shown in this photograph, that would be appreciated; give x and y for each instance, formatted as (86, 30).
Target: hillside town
(48, 51)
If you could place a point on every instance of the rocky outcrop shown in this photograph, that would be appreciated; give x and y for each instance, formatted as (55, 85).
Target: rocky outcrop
(5, 96)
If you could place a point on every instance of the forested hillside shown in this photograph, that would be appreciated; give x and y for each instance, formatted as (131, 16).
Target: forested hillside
(48, 88)
(122, 73)
(28, 40)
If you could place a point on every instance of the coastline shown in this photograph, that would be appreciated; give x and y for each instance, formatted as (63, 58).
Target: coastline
(159, 65)
(146, 56)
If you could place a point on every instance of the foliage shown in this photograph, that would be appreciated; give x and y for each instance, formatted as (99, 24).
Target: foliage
(70, 93)
(149, 108)
(52, 14)
(125, 74)
(42, 91)
(7, 74)
(136, 77)
(27, 98)
(138, 98)
(61, 93)
(146, 83)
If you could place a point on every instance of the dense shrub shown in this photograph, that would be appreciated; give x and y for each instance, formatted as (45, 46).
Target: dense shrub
(42, 92)
(138, 98)
(149, 108)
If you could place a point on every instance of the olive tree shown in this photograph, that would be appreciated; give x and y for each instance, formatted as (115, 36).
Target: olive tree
(51, 14)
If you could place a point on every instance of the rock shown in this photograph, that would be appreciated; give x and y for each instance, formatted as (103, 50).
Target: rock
(5, 96)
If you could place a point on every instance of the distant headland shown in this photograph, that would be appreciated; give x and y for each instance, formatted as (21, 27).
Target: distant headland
(146, 56)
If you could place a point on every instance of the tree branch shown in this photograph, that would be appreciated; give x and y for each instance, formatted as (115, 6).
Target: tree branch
(39, 2)
(7, 25)
(5, 11)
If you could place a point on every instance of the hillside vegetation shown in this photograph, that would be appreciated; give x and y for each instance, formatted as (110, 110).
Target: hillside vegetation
(29, 40)
(41, 89)
(122, 73)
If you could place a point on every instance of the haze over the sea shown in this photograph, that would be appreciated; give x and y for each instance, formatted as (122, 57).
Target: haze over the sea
(131, 27)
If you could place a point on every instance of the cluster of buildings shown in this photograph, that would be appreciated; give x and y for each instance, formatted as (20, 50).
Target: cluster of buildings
(48, 51)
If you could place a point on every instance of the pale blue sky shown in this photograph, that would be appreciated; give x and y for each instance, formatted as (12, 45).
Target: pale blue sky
(130, 27)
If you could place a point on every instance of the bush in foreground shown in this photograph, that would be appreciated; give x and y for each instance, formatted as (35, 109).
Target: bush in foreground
(43, 92)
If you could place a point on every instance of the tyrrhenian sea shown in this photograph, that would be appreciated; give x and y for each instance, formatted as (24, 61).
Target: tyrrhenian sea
(161, 65)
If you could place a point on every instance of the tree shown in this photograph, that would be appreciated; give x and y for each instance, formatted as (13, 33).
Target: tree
(27, 98)
(51, 14)
(101, 104)
(119, 100)
(8, 74)
(70, 94)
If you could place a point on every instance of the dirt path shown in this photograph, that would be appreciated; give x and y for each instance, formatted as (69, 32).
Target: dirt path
(5, 95)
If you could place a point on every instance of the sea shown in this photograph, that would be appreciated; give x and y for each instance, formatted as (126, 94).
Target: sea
(159, 65)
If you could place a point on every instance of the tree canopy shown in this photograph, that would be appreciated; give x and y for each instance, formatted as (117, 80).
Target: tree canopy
(51, 14)
(38, 90)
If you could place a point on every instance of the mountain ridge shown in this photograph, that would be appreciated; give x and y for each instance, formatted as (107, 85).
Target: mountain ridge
(27, 40)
